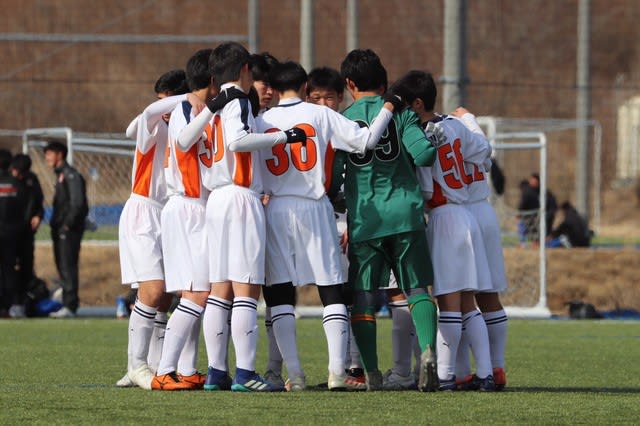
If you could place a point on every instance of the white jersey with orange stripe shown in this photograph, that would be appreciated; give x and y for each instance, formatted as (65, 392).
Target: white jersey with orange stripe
(448, 174)
(183, 167)
(304, 169)
(479, 189)
(150, 132)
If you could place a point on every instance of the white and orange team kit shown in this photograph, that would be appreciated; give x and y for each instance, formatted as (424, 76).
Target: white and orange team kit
(234, 214)
(139, 227)
(453, 235)
(184, 239)
(300, 218)
(480, 207)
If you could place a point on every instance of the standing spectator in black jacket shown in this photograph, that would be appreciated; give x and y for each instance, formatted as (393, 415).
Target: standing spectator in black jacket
(12, 206)
(70, 210)
(34, 212)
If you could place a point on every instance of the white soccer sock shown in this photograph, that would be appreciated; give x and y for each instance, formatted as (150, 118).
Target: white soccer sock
(336, 328)
(476, 332)
(449, 331)
(188, 361)
(157, 339)
(463, 362)
(401, 337)
(274, 363)
(244, 331)
(179, 327)
(497, 328)
(140, 330)
(215, 324)
(283, 321)
(354, 357)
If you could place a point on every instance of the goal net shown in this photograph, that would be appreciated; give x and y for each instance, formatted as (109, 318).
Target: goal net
(546, 147)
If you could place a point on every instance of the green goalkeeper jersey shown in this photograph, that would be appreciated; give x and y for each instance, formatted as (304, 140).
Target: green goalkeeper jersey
(381, 188)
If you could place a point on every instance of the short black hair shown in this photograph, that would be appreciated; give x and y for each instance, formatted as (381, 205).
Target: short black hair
(173, 82)
(5, 159)
(287, 76)
(226, 62)
(198, 72)
(56, 146)
(417, 85)
(325, 78)
(271, 60)
(364, 68)
(21, 163)
(259, 68)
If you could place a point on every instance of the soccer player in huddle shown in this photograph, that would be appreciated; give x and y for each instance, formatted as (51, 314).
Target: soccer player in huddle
(184, 240)
(139, 231)
(325, 86)
(453, 233)
(488, 301)
(299, 211)
(235, 223)
(385, 221)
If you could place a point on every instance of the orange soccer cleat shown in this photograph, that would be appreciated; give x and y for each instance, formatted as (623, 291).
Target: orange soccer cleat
(196, 380)
(500, 378)
(169, 382)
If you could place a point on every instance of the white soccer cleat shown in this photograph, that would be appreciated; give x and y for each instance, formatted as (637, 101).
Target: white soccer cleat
(17, 311)
(141, 376)
(428, 379)
(336, 382)
(125, 382)
(393, 381)
(64, 312)
(295, 384)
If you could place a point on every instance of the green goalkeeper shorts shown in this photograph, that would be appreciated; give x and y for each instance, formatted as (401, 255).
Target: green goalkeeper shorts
(406, 254)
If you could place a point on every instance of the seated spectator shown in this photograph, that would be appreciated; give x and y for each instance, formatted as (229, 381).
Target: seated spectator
(572, 232)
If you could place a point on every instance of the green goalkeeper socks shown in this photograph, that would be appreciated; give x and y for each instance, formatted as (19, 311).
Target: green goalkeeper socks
(425, 318)
(363, 323)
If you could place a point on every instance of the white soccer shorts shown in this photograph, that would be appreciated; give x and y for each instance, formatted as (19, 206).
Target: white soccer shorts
(302, 242)
(236, 233)
(184, 243)
(485, 215)
(139, 241)
(450, 235)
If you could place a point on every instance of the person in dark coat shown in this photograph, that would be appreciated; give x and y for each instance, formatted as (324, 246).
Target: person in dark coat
(573, 231)
(70, 209)
(34, 212)
(12, 214)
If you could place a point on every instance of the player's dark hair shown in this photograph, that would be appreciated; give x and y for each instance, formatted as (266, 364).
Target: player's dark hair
(226, 62)
(21, 163)
(56, 146)
(172, 82)
(5, 159)
(365, 69)
(272, 61)
(259, 68)
(325, 78)
(197, 71)
(287, 76)
(417, 85)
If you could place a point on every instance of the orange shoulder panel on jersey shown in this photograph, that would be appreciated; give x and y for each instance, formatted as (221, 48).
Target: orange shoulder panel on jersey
(144, 170)
(243, 173)
(189, 171)
(437, 199)
(328, 166)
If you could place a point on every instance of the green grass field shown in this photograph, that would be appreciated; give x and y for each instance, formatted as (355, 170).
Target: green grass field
(63, 372)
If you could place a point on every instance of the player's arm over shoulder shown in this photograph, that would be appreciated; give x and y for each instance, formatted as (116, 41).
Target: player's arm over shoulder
(413, 138)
